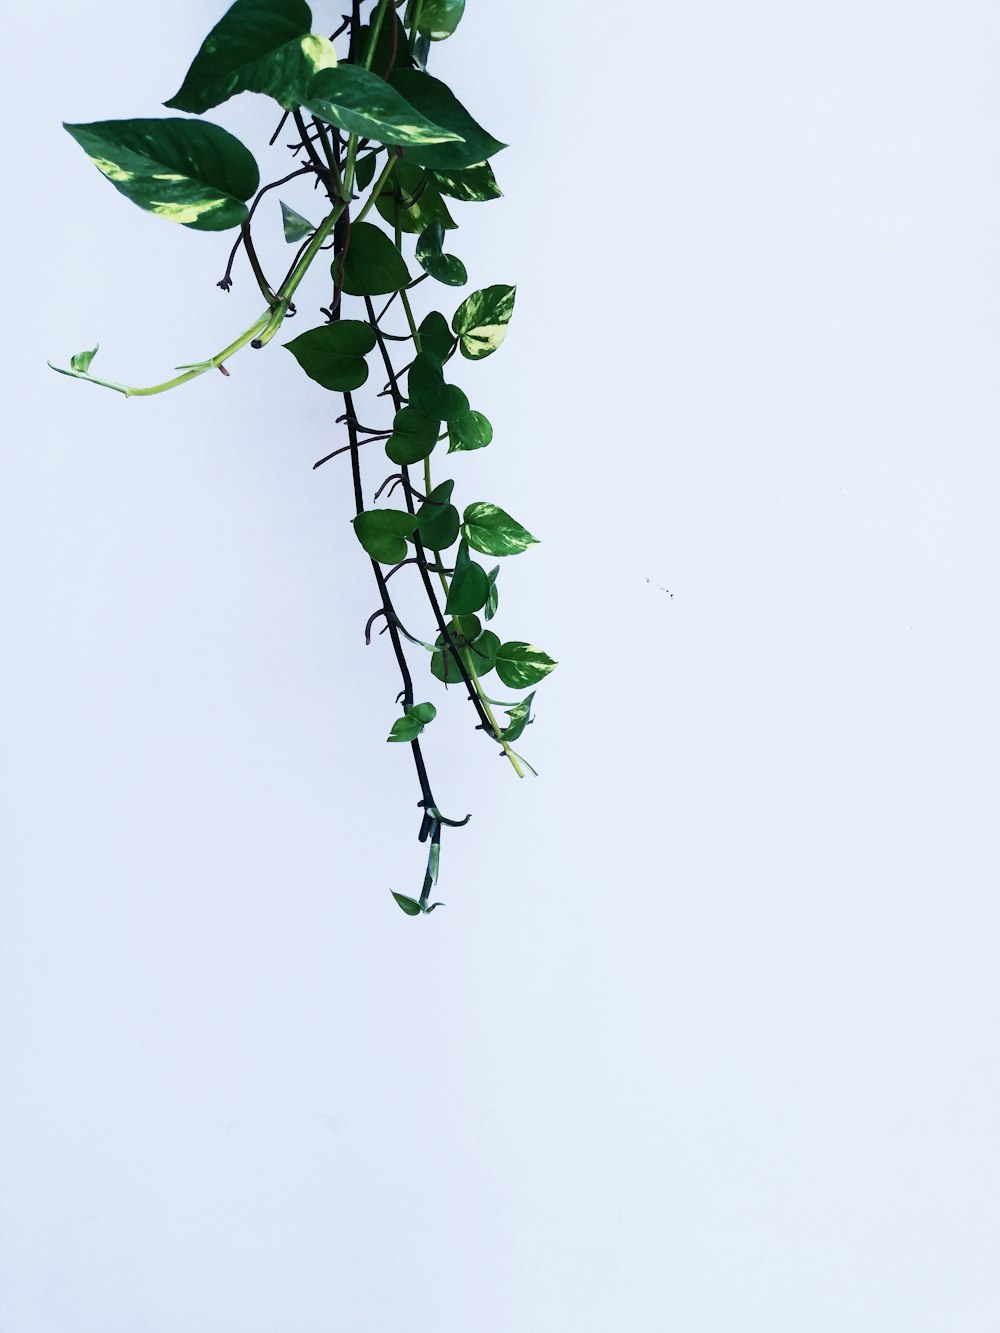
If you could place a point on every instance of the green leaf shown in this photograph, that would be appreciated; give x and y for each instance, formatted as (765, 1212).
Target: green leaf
(334, 354)
(439, 18)
(446, 268)
(81, 361)
(518, 718)
(435, 335)
(469, 585)
(428, 392)
(437, 518)
(258, 46)
(493, 600)
(424, 713)
(474, 185)
(405, 729)
(361, 103)
(472, 431)
(483, 652)
(413, 437)
(444, 663)
(481, 320)
(436, 101)
(409, 905)
(295, 226)
(489, 529)
(465, 630)
(383, 46)
(382, 532)
(520, 665)
(186, 171)
(372, 266)
(412, 199)
(364, 171)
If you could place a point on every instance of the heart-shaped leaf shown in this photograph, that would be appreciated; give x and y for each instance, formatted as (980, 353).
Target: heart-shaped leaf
(383, 533)
(481, 320)
(446, 268)
(490, 529)
(334, 354)
(361, 103)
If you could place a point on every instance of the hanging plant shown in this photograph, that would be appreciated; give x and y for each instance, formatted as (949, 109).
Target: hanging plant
(393, 151)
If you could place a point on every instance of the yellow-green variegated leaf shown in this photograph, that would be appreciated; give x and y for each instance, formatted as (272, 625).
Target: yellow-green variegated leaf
(430, 255)
(481, 320)
(521, 664)
(294, 225)
(411, 200)
(258, 46)
(474, 185)
(361, 103)
(186, 171)
(439, 18)
(490, 529)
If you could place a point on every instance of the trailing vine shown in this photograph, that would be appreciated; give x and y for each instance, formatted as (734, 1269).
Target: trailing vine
(380, 138)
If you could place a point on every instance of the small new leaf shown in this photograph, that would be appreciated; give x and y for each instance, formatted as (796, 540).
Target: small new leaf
(294, 225)
(409, 905)
(489, 529)
(518, 718)
(81, 361)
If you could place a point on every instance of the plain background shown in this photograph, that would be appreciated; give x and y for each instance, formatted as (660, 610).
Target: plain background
(705, 1038)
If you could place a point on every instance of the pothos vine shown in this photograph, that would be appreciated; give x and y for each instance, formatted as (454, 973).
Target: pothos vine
(380, 137)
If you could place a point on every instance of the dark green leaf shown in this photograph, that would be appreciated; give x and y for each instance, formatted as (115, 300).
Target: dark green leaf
(383, 46)
(413, 436)
(518, 718)
(81, 361)
(382, 532)
(405, 729)
(334, 354)
(490, 529)
(439, 18)
(437, 518)
(362, 103)
(465, 629)
(469, 585)
(296, 227)
(481, 320)
(438, 103)
(409, 905)
(435, 335)
(372, 266)
(493, 600)
(446, 268)
(472, 431)
(412, 198)
(424, 713)
(483, 652)
(187, 171)
(428, 392)
(520, 665)
(258, 46)
(364, 171)
(474, 185)
(444, 663)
